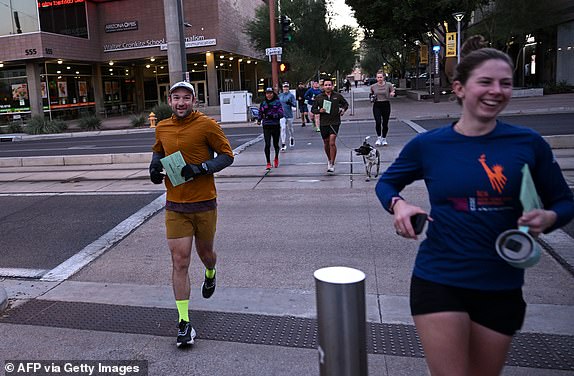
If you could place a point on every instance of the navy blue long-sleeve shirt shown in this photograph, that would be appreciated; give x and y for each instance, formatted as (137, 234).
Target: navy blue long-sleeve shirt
(474, 186)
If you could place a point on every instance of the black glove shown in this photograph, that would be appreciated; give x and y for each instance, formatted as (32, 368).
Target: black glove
(155, 169)
(192, 170)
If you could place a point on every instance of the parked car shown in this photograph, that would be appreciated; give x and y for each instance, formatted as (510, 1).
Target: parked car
(370, 81)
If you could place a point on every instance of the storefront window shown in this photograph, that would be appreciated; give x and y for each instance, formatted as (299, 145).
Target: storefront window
(14, 90)
(67, 17)
(118, 84)
(156, 83)
(18, 17)
(69, 89)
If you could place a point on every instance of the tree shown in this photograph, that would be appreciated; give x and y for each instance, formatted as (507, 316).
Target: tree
(392, 27)
(316, 46)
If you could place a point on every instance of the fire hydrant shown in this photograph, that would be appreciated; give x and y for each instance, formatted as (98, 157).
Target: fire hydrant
(152, 119)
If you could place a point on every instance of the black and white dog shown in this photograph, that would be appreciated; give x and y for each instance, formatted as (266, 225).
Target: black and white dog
(371, 158)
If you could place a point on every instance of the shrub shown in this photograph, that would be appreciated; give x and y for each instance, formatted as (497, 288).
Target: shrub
(38, 124)
(14, 128)
(557, 88)
(138, 120)
(90, 123)
(162, 111)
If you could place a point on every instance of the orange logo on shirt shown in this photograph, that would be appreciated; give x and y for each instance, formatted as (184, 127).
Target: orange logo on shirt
(495, 175)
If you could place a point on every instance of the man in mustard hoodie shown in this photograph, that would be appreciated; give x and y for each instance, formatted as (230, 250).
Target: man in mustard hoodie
(191, 207)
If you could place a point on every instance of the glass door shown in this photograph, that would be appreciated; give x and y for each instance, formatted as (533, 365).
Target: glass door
(200, 91)
(162, 92)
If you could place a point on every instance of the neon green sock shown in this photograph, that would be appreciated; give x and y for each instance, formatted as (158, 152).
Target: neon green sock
(182, 309)
(210, 273)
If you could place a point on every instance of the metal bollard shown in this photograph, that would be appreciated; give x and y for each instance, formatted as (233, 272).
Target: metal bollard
(341, 317)
(352, 103)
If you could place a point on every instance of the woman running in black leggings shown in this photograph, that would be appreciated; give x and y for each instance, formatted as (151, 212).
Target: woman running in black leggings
(382, 91)
(270, 111)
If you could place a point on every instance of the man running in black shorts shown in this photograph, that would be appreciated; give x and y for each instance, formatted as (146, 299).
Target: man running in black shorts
(329, 106)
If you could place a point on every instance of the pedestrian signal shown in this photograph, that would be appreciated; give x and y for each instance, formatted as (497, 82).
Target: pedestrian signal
(286, 30)
(283, 67)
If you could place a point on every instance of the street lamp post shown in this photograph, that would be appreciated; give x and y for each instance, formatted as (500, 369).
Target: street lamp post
(458, 16)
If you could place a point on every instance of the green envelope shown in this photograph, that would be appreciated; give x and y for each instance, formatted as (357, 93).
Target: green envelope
(528, 195)
(173, 164)
(327, 106)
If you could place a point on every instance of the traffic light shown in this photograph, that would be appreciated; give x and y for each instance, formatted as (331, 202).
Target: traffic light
(283, 67)
(286, 29)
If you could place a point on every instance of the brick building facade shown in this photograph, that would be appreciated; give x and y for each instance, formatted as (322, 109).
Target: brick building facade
(110, 56)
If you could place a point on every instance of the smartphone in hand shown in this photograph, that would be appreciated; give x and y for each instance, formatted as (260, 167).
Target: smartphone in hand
(418, 222)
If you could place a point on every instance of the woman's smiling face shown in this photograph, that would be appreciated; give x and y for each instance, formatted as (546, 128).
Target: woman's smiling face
(487, 90)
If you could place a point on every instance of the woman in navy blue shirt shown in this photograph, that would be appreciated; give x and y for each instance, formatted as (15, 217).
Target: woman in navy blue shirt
(466, 301)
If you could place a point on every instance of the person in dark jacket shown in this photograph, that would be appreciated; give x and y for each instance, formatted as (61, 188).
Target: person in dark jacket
(270, 111)
(310, 95)
(303, 109)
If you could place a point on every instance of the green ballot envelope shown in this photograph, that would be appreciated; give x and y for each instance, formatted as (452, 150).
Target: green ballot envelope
(327, 106)
(173, 164)
(528, 196)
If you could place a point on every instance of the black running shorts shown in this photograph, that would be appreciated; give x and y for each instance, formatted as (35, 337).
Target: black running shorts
(502, 311)
(327, 130)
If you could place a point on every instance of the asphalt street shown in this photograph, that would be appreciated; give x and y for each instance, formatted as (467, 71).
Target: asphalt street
(107, 144)
(41, 231)
(546, 125)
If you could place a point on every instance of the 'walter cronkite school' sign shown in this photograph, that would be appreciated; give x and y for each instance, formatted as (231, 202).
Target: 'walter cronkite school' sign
(193, 41)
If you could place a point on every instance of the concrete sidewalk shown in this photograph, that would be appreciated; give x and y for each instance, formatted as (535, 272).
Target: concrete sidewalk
(275, 229)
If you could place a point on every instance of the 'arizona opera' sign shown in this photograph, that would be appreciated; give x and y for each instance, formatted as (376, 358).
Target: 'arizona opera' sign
(121, 26)
(193, 41)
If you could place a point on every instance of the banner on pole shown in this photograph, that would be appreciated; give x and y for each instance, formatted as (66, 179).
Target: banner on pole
(424, 54)
(451, 45)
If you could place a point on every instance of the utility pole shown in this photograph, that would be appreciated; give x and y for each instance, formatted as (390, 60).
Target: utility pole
(274, 74)
(176, 57)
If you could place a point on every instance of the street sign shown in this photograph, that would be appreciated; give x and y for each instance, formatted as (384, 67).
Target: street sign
(273, 51)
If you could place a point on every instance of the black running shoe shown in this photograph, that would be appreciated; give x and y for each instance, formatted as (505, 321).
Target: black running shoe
(185, 334)
(208, 287)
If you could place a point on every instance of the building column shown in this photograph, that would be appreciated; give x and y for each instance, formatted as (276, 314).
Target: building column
(34, 88)
(175, 38)
(212, 92)
(140, 94)
(98, 88)
(236, 74)
(250, 78)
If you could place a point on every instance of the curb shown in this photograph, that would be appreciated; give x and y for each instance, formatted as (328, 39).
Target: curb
(3, 299)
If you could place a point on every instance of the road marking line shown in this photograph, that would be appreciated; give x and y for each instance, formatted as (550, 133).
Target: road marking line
(106, 241)
(22, 272)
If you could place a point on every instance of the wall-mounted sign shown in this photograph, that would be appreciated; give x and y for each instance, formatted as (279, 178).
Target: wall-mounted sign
(54, 3)
(133, 45)
(121, 26)
(193, 41)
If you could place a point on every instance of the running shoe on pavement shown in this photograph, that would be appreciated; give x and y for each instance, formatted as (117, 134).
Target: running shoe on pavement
(208, 287)
(330, 167)
(185, 334)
